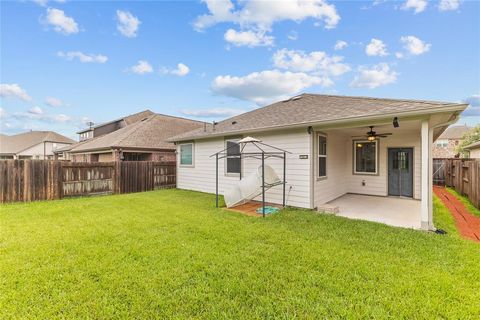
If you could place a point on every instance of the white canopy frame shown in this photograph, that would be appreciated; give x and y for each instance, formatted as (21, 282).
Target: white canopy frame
(262, 154)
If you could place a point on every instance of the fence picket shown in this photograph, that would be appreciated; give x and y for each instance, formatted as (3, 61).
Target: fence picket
(463, 175)
(30, 180)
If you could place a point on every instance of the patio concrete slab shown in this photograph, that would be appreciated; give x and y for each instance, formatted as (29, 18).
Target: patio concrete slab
(398, 212)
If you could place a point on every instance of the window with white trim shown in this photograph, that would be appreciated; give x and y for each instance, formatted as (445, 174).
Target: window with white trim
(322, 156)
(232, 161)
(186, 154)
(442, 143)
(365, 155)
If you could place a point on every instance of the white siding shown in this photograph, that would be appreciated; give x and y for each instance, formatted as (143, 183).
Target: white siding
(201, 177)
(475, 153)
(38, 150)
(335, 184)
(378, 184)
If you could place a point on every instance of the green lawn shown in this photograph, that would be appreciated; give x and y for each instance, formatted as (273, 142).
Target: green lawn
(468, 204)
(171, 254)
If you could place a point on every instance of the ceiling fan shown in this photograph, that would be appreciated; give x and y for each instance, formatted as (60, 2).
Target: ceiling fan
(372, 135)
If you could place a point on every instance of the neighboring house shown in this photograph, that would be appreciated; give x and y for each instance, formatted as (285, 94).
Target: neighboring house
(330, 154)
(445, 146)
(108, 127)
(141, 140)
(474, 150)
(32, 145)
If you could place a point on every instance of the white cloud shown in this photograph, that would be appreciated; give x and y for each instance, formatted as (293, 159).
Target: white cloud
(83, 57)
(448, 5)
(260, 14)
(3, 113)
(36, 113)
(127, 23)
(248, 38)
(340, 45)
(13, 90)
(474, 109)
(36, 110)
(292, 35)
(61, 118)
(53, 102)
(213, 113)
(142, 67)
(376, 76)
(415, 46)
(182, 70)
(399, 55)
(60, 22)
(417, 5)
(317, 62)
(376, 47)
(43, 3)
(265, 86)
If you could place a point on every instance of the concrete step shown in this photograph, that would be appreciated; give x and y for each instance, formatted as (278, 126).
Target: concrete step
(328, 208)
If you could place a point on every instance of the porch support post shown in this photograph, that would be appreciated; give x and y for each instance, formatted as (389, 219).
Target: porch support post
(425, 177)
(430, 179)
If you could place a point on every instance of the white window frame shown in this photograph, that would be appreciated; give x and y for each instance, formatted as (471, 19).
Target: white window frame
(355, 158)
(180, 155)
(235, 139)
(322, 155)
(442, 143)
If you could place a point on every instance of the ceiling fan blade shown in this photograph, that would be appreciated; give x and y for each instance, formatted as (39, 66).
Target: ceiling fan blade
(381, 136)
(384, 134)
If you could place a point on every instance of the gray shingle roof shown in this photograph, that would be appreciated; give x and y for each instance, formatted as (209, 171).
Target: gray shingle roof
(313, 108)
(127, 119)
(19, 142)
(455, 132)
(150, 133)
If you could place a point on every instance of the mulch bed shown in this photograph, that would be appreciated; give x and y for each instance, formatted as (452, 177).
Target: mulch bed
(467, 224)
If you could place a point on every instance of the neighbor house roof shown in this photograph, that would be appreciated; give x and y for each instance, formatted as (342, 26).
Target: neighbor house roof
(309, 109)
(475, 145)
(19, 142)
(128, 119)
(455, 132)
(150, 133)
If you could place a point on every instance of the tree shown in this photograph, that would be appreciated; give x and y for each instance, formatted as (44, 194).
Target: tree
(468, 138)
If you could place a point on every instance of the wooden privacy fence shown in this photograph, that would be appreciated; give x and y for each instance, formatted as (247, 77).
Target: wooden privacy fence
(439, 171)
(30, 180)
(461, 174)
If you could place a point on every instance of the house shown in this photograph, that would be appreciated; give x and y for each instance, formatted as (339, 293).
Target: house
(110, 126)
(474, 150)
(366, 158)
(446, 145)
(143, 139)
(32, 145)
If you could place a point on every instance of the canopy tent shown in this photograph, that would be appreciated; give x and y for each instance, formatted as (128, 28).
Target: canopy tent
(262, 151)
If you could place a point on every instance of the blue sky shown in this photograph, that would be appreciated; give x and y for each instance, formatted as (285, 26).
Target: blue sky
(64, 63)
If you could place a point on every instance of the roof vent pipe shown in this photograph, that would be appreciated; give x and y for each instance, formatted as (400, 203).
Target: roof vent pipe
(214, 124)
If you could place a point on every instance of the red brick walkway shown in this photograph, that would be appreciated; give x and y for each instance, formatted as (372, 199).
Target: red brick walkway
(467, 224)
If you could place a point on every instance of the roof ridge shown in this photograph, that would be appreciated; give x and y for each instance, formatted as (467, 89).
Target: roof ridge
(178, 117)
(376, 98)
(124, 135)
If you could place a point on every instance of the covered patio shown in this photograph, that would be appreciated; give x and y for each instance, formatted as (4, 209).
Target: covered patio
(393, 211)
